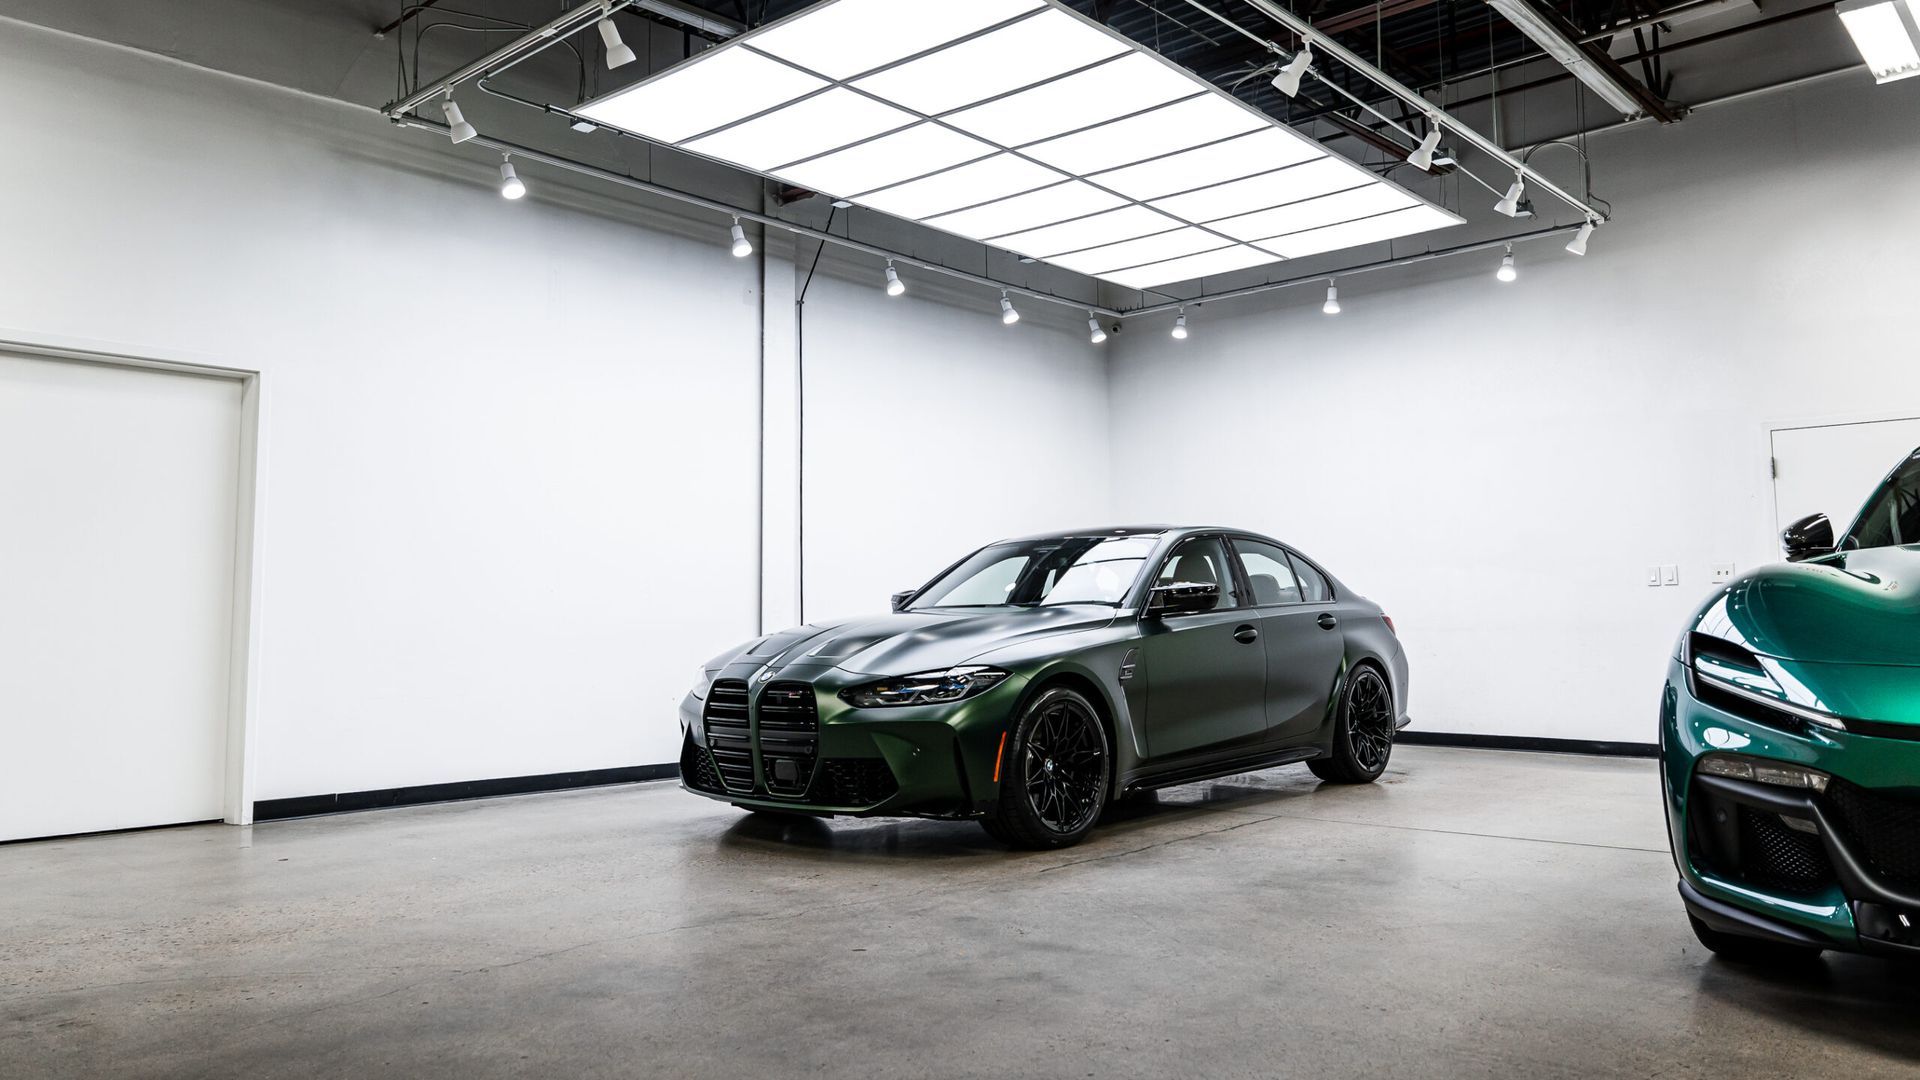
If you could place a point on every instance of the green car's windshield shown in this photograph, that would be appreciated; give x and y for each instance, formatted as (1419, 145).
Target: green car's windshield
(1034, 573)
(1892, 518)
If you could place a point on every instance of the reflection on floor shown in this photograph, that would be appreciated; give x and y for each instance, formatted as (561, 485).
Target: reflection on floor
(1476, 913)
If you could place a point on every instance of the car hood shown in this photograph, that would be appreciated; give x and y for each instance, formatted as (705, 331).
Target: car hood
(906, 642)
(1855, 607)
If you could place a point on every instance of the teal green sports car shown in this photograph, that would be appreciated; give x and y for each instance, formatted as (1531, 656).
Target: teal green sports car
(1035, 681)
(1790, 743)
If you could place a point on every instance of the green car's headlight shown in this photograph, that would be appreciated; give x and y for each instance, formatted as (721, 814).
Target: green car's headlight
(926, 688)
(1741, 682)
(702, 681)
(1778, 773)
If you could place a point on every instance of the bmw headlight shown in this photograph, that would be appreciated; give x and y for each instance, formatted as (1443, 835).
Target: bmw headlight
(1747, 684)
(702, 679)
(926, 688)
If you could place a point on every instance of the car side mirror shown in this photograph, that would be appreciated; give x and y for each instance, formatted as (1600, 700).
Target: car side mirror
(900, 599)
(1808, 538)
(1182, 598)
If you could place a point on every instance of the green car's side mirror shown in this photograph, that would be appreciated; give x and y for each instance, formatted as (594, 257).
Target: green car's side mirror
(1808, 538)
(1182, 598)
(900, 599)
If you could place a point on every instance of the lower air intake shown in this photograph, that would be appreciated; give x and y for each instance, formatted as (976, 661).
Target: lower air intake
(858, 782)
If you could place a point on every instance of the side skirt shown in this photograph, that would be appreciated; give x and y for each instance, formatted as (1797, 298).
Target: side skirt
(1213, 770)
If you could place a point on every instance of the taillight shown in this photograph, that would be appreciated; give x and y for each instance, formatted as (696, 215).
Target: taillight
(1388, 619)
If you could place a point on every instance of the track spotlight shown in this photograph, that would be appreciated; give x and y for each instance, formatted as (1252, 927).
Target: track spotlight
(1288, 81)
(618, 53)
(1332, 306)
(1180, 326)
(1509, 204)
(510, 185)
(1099, 333)
(1007, 314)
(894, 285)
(457, 125)
(1578, 245)
(1422, 156)
(742, 247)
(1506, 271)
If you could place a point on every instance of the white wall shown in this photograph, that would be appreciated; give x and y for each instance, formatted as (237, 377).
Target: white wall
(511, 464)
(1497, 464)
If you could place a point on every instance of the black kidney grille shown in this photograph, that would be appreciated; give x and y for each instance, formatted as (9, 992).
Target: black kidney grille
(1885, 828)
(696, 768)
(727, 734)
(856, 782)
(789, 736)
(1773, 854)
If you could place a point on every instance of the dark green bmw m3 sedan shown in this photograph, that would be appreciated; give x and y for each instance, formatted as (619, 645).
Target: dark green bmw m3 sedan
(1036, 680)
(1790, 743)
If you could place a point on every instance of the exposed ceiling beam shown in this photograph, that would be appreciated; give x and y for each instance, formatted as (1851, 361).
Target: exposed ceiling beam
(1368, 15)
(1602, 74)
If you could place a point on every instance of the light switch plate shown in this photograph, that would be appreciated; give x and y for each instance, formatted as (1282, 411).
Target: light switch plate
(1670, 574)
(1722, 572)
(1653, 576)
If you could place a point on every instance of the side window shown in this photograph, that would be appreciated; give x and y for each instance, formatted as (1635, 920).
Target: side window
(1313, 584)
(1268, 572)
(1202, 560)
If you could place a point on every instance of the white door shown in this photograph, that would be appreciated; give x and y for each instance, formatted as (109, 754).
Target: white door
(1832, 470)
(118, 498)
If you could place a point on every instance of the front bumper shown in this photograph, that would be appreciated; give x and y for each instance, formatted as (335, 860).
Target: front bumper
(801, 749)
(1840, 869)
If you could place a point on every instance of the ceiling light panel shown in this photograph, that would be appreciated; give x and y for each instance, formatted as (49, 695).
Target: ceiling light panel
(808, 127)
(1360, 202)
(1111, 227)
(851, 37)
(1164, 130)
(983, 181)
(1128, 85)
(1011, 58)
(1203, 166)
(1221, 261)
(890, 159)
(1061, 202)
(720, 87)
(1021, 124)
(1415, 219)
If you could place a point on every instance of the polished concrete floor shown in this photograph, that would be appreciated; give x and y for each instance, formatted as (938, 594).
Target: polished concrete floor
(1475, 914)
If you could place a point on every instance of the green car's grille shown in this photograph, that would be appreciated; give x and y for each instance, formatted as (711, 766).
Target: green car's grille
(789, 736)
(1773, 854)
(727, 734)
(696, 768)
(857, 782)
(1886, 828)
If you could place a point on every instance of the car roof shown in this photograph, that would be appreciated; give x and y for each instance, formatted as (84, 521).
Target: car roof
(1126, 530)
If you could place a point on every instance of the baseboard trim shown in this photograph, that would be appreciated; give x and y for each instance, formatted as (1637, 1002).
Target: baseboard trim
(382, 798)
(1522, 742)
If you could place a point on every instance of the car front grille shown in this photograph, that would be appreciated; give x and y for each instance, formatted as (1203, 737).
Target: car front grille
(728, 734)
(856, 782)
(1884, 828)
(696, 768)
(789, 736)
(1773, 854)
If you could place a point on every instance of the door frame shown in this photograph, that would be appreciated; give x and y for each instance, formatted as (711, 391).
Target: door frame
(243, 666)
(1852, 419)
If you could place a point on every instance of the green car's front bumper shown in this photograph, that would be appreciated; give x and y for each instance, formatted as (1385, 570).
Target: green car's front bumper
(792, 744)
(1839, 869)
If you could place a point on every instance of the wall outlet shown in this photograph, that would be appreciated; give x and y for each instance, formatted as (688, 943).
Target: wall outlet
(1670, 574)
(1653, 576)
(1722, 572)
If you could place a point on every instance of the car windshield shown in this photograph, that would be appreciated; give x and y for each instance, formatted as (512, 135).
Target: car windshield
(1037, 573)
(1892, 518)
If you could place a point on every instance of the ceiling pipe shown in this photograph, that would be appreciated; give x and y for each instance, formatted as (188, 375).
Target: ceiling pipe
(582, 168)
(1598, 71)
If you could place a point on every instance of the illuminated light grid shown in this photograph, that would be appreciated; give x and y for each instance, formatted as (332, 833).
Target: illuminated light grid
(1023, 125)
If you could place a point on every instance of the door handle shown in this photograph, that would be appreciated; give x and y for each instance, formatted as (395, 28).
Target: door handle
(1245, 635)
(1327, 621)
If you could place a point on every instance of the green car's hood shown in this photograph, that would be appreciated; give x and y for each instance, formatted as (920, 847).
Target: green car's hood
(907, 642)
(1856, 607)
(1839, 633)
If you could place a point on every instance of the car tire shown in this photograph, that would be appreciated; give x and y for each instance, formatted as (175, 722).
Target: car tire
(1362, 731)
(1056, 774)
(1740, 949)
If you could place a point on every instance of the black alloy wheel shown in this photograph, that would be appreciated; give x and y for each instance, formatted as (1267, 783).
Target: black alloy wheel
(1363, 734)
(1056, 773)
